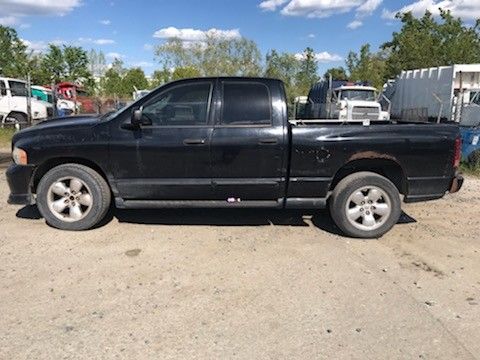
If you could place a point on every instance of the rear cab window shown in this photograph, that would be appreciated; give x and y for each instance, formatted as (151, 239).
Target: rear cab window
(246, 104)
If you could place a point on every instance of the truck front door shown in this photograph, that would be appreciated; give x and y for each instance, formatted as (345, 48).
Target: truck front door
(249, 142)
(169, 159)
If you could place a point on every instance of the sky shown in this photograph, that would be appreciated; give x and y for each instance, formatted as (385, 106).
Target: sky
(130, 30)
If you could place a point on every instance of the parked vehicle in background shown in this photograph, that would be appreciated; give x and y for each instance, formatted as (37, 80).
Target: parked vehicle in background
(343, 100)
(228, 142)
(300, 107)
(137, 94)
(13, 103)
(70, 91)
(42, 93)
(439, 94)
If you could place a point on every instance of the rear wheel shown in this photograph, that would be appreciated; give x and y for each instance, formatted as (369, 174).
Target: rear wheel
(365, 205)
(73, 197)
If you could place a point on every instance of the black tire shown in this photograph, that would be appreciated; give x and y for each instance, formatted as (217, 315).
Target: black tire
(351, 185)
(95, 185)
(18, 118)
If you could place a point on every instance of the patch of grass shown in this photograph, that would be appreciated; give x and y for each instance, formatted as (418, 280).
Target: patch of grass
(6, 137)
(470, 170)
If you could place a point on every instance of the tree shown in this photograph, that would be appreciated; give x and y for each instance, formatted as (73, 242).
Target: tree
(53, 63)
(426, 42)
(308, 73)
(134, 78)
(367, 66)
(285, 67)
(185, 73)
(111, 83)
(160, 77)
(97, 64)
(76, 63)
(215, 56)
(337, 73)
(13, 54)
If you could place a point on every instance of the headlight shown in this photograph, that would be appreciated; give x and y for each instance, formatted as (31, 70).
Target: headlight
(19, 156)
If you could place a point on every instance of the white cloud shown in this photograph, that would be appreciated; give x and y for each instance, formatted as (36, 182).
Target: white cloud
(142, 64)
(320, 8)
(8, 20)
(41, 46)
(311, 36)
(105, 22)
(355, 24)
(147, 47)
(96, 41)
(115, 55)
(35, 46)
(271, 5)
(322, 57)
(368, 7)
(38, 7)
(194, 35)
(13, 10)
(465, 9)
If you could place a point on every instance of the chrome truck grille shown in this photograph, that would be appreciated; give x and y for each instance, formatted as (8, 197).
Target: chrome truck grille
(364, 113)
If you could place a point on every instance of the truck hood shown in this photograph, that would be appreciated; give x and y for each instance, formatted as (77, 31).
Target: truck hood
(56, 125)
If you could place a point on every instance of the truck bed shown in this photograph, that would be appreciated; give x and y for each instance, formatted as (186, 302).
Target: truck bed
(320, 149)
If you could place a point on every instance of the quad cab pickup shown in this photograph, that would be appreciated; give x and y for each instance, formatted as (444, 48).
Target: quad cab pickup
(228, 142)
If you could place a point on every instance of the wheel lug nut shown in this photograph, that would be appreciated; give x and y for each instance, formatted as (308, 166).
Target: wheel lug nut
(361, 209)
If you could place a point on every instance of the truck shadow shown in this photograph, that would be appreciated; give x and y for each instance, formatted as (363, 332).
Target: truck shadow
(218, 217)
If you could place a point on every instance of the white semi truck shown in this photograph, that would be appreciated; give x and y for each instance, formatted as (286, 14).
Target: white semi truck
(345, 101)
(14, 103)
(445, 93)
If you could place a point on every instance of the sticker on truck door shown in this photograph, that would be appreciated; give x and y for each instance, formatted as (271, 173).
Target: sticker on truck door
(475, 140)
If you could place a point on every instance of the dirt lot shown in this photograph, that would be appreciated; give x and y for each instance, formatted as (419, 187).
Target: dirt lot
(241, 284)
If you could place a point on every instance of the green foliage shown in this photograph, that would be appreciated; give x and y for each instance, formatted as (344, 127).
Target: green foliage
(424, 42)
(134, 78)
(160, 77)
(120, 82)
(308, 71)
(216, 56)
(367, 66)
(6, 135)
(13, 54)
(285, 67)
(338, 73)
(185, 73)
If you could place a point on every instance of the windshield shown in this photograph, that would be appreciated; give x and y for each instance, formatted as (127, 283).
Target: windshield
(363, 95)
(18, 88)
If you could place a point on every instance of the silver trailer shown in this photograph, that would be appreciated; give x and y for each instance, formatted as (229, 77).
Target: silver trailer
(446, 93)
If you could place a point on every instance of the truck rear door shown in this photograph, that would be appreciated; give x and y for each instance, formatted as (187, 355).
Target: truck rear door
(249, 142)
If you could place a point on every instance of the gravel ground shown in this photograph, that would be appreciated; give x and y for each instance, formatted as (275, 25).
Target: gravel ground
(243, 284)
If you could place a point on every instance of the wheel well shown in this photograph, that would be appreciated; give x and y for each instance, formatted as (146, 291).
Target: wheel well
(387, 168)
(16, 112)
(50, 164)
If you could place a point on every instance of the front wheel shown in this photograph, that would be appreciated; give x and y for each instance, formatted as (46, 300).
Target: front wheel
(365, 205)
(73, 197)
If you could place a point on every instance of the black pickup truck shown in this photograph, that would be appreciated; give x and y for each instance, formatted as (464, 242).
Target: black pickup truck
(228, 142)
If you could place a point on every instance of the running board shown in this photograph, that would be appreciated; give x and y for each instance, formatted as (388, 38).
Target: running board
(183, 204)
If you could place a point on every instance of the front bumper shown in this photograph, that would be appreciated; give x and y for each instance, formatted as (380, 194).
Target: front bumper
(19, 178)
(456, 184)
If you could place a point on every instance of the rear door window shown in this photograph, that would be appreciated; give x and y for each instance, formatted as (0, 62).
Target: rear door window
(246, 103)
